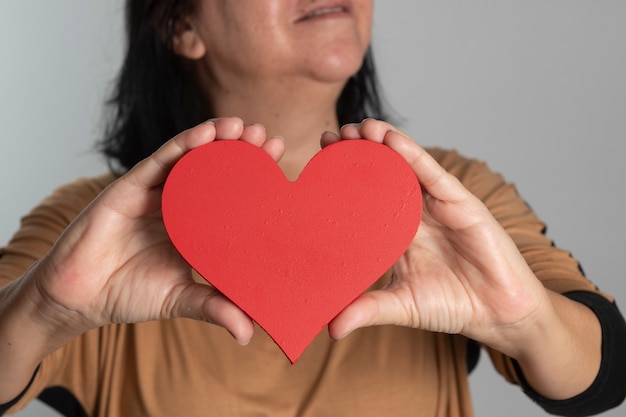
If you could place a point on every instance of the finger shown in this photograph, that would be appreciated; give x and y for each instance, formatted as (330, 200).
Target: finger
(374, 130)
(153, 170)
(370, 129)
(350, 131)
(254, 134)
(372, 308)
(328, 138)
(435, 179)
(275, 147)
(228, 128)
(203, 302)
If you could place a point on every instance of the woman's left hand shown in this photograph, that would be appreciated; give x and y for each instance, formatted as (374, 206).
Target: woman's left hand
(461, 274)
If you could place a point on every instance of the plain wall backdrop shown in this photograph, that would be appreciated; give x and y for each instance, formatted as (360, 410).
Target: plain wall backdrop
(536, 88)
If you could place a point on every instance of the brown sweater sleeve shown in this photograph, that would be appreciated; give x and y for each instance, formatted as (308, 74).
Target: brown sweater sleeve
(41, 227)
(556, 268)
(39, 230)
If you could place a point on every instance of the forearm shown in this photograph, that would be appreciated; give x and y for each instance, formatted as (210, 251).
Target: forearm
(560, 354)
(29, 331)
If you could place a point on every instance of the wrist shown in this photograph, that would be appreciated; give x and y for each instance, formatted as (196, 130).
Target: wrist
(559, 352)
(30, 330)
(49, 320)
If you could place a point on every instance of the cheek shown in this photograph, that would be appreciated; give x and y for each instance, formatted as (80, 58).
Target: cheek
(364, 13)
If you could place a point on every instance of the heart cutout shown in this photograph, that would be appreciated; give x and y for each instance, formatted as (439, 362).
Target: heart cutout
(291, 255)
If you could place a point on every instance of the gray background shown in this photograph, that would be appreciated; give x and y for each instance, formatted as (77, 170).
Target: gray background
(535, 87)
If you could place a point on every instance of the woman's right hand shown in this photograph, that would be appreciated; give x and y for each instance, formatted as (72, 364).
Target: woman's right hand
(115, 262)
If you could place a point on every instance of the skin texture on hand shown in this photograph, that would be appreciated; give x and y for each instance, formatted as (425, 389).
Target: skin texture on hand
(140, 259)
(137, 275)
(463, 262)
(463, 274)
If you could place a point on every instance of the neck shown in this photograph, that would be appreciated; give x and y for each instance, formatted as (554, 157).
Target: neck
(299, 111)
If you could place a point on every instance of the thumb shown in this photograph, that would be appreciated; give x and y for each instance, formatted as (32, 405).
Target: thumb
(362, 312)
(203, 302)
(373, 308)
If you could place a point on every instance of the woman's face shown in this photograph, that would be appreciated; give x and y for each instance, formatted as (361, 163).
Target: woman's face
(320, 39)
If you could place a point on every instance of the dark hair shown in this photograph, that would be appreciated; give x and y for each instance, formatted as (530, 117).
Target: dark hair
(156, 95)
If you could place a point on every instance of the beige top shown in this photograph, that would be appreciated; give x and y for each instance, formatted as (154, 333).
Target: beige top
(188, 368)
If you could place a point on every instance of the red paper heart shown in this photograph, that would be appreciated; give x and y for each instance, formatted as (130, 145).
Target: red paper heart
(292, 255)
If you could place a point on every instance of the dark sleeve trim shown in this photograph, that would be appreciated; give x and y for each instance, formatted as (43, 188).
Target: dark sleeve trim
(63, 401)
(5, 407)
(609, 388)
(472, 355)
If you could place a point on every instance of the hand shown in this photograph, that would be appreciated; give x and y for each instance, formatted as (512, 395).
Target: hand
(461, 274)
(115, 262)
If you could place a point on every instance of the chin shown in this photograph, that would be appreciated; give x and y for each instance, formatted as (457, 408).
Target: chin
(335, 67)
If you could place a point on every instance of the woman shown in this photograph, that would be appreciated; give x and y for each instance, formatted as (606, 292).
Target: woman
(478, 269)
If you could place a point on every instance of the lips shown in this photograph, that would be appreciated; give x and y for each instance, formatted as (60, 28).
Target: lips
(319, 10)
(328, 10)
